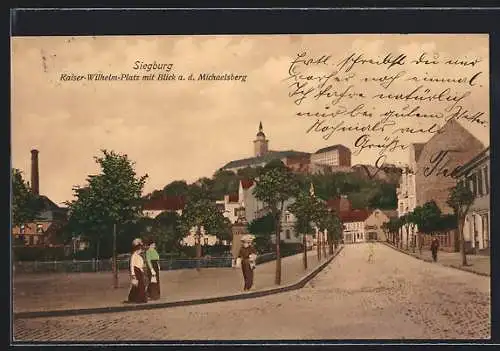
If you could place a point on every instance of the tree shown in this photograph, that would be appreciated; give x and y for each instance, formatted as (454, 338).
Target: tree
(262, 227)
(427, 219)
(385, 197)
(249, 172)
(460, 200)
(111, 197)
(202, 213)
(176, 188)
(333, 226)
(321, 220)
(393, 227)
(274, 186)
(224, 182)
(304, 209)
(166, 231)
(25, 204)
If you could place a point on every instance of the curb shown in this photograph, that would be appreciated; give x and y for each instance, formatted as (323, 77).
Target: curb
(140, 307)
(442, 264)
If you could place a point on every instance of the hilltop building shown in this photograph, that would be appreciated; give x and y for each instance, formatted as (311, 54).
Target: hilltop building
(336, 158)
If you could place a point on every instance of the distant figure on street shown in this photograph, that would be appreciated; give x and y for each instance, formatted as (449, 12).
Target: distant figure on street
(153, 265)
(137, 292)
(371, 252)
(248, 256)
(434, 248)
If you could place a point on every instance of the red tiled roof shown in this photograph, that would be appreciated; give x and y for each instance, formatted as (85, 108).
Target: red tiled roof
(233, 197)
(354, 216)
(246, 183)
(167, 203)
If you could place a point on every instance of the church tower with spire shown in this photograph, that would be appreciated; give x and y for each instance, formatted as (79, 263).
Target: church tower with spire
(260, 143)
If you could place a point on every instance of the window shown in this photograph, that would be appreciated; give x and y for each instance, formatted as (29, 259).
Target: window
(287, 234)
(22, 229)
(39, 228)
(486, 181)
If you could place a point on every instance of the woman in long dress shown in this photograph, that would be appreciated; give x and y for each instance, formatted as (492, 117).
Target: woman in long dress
(247, 255)
(153, 264)
(137, 292)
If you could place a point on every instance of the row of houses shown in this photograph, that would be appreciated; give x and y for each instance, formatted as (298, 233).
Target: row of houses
(433, 168)
(359, 225)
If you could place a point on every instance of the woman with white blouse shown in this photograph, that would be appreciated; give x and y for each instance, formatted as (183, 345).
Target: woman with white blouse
(137, 292)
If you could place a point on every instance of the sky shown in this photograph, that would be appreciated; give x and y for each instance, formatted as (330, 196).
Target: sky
(176, 130)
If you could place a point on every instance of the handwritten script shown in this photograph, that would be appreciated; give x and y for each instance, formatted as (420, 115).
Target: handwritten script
(384, 102)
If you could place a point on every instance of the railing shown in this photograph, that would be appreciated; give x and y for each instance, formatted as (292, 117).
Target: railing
(106, 265)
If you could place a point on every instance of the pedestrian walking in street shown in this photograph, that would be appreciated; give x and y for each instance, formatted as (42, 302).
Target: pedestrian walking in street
(248, 256)
(434, 248)
(137, 292)
(153, 269)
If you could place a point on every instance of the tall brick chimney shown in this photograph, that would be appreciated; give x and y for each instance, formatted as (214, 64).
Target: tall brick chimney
(35, 185)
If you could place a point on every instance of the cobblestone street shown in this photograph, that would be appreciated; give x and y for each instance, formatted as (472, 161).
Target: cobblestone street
(394, 297)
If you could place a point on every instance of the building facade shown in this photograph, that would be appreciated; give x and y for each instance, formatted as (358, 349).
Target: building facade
(374, 226)
(335, 155)
(229, 207)
(206, 239)
(433, 170)
(476, 174)
(255, 209)
(353, 224)
(440, 158)
(49, 221)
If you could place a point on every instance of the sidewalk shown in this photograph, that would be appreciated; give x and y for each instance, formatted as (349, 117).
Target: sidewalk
(475, 263)
(95, 290)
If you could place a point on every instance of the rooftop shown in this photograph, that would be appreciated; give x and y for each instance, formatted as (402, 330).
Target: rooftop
(332, 147)
(247, 183)
(355, 215)
(166, 203)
